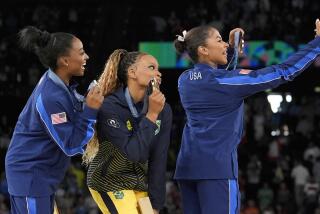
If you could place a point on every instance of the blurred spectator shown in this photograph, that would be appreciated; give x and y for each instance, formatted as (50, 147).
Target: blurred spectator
(265, 197)
(316, 170)
(3, 206)
(283, 195)
(305, 126)
(311, 153)
(253, 177)
(274, 150)
(173, 199)
(311, 192)
(251, 208)
(3, 185)
(300, 176)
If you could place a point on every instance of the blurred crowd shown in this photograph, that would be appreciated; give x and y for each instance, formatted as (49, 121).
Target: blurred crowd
(262, 20)
(279, 156)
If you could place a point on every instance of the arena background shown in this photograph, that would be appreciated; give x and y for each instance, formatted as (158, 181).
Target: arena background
(279, 156)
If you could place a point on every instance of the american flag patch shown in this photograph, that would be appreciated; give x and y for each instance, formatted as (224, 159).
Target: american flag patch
(59, 118)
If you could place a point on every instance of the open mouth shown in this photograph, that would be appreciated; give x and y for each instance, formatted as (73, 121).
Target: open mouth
(225, 53)
(83, 66)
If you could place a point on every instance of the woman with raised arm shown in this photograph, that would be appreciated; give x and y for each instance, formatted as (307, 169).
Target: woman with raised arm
(207, 165)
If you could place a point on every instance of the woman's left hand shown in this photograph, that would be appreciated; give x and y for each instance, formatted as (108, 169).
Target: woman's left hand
(231, 38)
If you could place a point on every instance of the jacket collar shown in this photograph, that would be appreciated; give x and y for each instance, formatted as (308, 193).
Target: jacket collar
(57, 80)
(119, 97)
(203, 66)
(69, 89)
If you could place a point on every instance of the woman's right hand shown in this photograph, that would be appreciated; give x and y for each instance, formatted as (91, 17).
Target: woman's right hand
(94, 99)
(317, 30)
(156, 104)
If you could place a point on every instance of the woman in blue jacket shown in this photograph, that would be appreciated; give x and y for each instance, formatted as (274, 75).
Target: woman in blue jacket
(55, 124)
(207, 166)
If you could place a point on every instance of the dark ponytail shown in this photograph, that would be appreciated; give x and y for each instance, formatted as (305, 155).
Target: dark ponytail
(192, 40)
(47, 46)
(180, 46)
(32, 38)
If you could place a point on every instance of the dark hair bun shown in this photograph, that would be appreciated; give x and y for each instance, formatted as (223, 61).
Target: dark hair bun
(180, 46)
(31, 38)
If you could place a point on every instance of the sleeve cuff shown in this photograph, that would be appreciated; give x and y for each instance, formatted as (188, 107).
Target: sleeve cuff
(145, 123)
(90, 113)
(315, 42)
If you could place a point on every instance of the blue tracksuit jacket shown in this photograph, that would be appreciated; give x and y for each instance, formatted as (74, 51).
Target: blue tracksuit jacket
(213, 102)
(53, 126)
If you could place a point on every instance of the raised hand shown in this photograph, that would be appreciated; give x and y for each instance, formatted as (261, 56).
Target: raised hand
(231, 38)
(94, 99)
(156, 104)
(317, 30)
